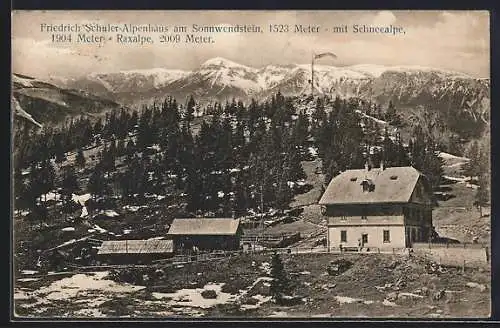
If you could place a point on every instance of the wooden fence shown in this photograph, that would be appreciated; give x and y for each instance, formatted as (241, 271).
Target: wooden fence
(439, 254)
(463, 255)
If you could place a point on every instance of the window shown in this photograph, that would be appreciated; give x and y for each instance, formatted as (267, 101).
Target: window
(363, 217)
(343, 236)
(364, 238)
(387, 236)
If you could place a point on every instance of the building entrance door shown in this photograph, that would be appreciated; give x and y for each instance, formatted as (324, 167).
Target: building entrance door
(364, 239)
(408, 240)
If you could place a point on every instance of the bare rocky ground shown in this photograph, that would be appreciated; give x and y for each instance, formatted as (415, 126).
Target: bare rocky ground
(457, 217)
(374, 286)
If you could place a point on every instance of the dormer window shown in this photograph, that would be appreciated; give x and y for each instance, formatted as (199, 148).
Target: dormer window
(367, 185)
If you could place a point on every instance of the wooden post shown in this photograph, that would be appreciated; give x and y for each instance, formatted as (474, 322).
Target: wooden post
(328, 237)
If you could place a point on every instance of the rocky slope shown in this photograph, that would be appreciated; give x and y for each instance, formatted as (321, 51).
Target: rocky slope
(222, 79)
(42, 103)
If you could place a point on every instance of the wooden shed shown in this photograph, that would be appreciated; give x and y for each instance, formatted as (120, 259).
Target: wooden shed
(206, 234)
(135, 251)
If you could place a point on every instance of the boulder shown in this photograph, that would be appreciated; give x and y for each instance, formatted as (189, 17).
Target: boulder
(481, 287)
(328, 286)
(392, 265)
(338, 267)
(400, 283)
(405, 296)
(438, 295)
(424, 291)
(392, 296)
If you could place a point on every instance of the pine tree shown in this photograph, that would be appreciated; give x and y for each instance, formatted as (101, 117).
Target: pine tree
(69, 185)
(45, 179)
(126, 184)
(120, 147)
(59, 150)
(483, 194)
(80, 159)
(131, 147)
(39, 213)
(390, 114)
(95, 185)
(301, 130)
(280, 284)
(190, 107)
(239, 201)
(193, 189)
(319, 114)
(473, 167)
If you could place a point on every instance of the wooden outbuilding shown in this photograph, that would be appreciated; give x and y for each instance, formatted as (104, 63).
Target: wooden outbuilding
(135, 251)
(206, 234)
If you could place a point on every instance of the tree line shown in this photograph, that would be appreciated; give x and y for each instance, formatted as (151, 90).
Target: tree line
(236, 158)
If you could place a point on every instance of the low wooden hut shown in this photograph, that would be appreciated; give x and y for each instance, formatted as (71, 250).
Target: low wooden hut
(206, 234)
(135, 251)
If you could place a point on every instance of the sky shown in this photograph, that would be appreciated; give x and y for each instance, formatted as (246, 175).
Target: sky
(451, 40)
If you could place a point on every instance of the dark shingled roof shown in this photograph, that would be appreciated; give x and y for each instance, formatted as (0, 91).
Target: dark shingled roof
(150, 246)
(204, 226)
(392, 185)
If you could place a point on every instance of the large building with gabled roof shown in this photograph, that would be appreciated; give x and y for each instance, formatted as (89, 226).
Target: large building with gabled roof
(378, 208)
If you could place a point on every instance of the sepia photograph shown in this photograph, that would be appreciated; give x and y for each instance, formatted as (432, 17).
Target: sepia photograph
(250, 164)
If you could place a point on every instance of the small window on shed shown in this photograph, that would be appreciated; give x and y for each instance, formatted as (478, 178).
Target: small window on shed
(354, 179)
(394, 177)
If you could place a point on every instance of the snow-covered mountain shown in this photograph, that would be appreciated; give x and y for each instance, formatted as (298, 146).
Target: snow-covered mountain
(222, 79)
(41, 103)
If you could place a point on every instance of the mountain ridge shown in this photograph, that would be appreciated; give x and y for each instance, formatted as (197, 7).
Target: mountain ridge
(453, 94)
(42, 103)
(223, 79)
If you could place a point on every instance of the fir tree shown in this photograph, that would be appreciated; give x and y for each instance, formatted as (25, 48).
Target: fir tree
(190, 107)
(80, 159)
(98, 185)
(390, 114)
(69, 185)
(45, 179)
(482, 197)
(472, 168)
(280, 284)
(239, 201)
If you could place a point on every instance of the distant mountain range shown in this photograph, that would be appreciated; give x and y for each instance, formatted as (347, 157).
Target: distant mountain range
(221, 79)
(43, 103)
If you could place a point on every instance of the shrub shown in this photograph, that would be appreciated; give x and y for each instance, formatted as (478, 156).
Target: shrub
(209, 293)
